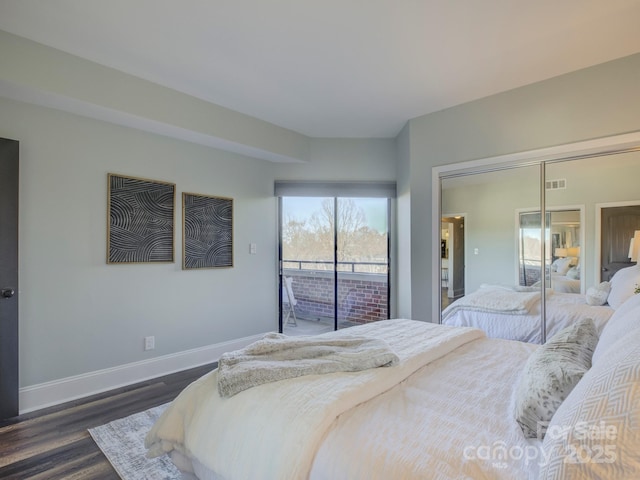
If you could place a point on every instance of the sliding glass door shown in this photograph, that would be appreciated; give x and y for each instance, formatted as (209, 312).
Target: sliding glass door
(334, 257)
(362, 260)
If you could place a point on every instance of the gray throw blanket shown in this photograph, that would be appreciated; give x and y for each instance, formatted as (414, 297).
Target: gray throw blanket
(278, 357)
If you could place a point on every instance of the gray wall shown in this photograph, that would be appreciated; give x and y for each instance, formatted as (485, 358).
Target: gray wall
(78, 314)
(489, 202)
(595, 102)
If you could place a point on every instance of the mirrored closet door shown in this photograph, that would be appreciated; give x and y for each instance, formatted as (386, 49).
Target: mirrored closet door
(478, 211)
(493, 231)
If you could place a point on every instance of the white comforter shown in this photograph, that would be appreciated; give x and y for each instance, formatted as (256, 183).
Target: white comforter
(275, 430)
(562, 309)
(452, 419)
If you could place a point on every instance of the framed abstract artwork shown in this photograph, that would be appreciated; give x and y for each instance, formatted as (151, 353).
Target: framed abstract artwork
(207, 233)
(140, 225)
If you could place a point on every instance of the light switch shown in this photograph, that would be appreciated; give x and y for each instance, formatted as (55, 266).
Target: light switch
(475, 251)
(252, 248)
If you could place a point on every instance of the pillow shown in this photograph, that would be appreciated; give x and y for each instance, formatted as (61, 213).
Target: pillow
(595, 432)
(623, 284)
(573, 273)
(623, 321)
(598, 295)
(550, 374)
(561, 265)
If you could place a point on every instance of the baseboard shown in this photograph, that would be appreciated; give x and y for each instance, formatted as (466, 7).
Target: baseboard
(47, 394)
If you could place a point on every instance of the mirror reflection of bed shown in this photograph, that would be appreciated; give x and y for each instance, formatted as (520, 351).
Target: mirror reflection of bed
(592, 211)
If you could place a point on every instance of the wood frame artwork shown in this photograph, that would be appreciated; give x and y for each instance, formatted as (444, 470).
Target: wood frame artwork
(140, 223)
(207, 232)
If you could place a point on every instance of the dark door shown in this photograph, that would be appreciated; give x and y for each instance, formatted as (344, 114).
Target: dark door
(618, 225)
(458, 255)
(8, 278)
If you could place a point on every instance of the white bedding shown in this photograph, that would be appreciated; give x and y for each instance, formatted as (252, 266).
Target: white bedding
(562, 309)
(283, 429)
(495, 299)
(450, 420)
(564, 284)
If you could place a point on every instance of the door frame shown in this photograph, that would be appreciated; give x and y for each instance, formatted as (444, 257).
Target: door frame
(336, 273)
(9, 198)
(598, 240)
(455, 259)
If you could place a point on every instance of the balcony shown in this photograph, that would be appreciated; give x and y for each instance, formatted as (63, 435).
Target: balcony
(362, 291)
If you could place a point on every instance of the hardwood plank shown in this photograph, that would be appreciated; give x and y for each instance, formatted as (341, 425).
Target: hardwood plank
(54, 443)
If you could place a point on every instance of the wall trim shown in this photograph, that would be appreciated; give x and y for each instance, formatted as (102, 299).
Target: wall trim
(63, 390)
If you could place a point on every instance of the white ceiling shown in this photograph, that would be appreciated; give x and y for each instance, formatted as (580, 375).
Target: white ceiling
(335, 68)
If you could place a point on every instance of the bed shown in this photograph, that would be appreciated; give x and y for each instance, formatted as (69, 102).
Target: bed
(565, 278)
(514, 312)
(517, 316)
(447, 409)
(565, 283)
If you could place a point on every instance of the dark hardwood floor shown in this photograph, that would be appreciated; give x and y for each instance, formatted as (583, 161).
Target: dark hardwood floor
(54, 443)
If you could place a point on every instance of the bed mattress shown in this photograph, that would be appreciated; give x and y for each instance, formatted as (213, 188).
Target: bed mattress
(562, 309)
(447, 415)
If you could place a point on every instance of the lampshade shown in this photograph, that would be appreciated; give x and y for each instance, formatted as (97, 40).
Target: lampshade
(561, 252)
(634, 250)
(573, 252)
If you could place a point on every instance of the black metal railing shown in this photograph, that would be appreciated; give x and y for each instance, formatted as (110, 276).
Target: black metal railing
(327, 265)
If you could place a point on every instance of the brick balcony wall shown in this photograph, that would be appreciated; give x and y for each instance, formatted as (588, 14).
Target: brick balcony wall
(362, 297)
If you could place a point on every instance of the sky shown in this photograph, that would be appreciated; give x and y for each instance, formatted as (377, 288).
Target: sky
(375, 209)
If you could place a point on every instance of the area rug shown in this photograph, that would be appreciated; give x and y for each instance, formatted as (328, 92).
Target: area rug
(122, 442)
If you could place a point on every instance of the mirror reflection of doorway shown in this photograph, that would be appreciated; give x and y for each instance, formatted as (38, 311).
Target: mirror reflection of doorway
(563, 262)
(618, 225)
(452, 258)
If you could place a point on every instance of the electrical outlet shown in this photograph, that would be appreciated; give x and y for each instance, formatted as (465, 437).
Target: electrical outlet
(149, 343)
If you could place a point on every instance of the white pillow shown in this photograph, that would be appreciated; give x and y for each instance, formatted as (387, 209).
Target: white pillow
(562, 265)
(595, 432)
(623, 284)
(624, 320)
(598, 295)
(573, 273)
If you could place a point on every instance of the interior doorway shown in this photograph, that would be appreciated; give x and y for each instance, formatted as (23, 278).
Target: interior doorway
(617, 227)
(452, 246)
(8, 278)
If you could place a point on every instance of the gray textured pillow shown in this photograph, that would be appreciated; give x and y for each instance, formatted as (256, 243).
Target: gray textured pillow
(550, 374)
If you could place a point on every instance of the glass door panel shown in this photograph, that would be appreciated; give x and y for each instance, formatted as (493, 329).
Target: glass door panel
(363, 260)
(481, 239)
(307, 258)
(335, 263)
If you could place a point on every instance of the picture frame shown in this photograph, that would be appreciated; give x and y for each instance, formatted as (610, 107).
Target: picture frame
(207, 231)
(140, 220)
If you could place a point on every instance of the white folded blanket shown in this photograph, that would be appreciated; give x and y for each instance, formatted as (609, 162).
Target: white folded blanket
(278, 357)
(495, 299)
